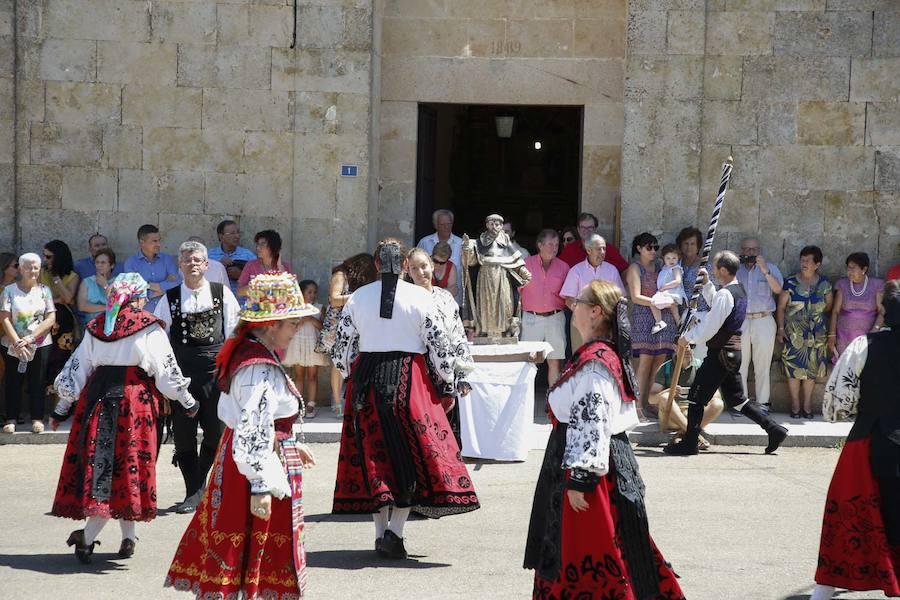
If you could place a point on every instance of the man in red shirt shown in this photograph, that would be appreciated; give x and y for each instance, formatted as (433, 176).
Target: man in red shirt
(575, 253)
(542, 306)
(893, 272)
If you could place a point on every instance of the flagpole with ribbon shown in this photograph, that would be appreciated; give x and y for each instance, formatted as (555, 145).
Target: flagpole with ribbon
(690, 315)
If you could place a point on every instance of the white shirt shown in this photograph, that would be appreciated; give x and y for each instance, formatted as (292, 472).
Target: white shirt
(258, 396)
(592, 391)
(199, 300)
(148, 349)
(416, 326)
(216, 273)
(721, 303)
(402, 332)
(428, 243)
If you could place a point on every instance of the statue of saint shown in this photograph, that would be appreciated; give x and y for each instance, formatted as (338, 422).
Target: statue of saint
(492, 309)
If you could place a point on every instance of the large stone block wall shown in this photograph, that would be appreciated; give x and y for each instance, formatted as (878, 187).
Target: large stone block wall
(803, 94)
(564, 52)
(182, 113)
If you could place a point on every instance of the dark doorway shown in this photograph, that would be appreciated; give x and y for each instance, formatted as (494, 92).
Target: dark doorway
(532, 177)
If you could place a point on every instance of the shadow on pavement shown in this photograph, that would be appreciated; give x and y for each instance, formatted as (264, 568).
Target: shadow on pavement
(330, 518)
(59, 564)
(351, 560)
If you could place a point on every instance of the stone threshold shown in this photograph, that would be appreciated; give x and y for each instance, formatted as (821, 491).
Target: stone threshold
(728, 430)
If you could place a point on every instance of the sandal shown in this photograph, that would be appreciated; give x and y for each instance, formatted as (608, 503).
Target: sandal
(796, 415)
(338, 410)
(806, 415)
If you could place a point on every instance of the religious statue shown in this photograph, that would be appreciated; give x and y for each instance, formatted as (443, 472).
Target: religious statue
(492, 311)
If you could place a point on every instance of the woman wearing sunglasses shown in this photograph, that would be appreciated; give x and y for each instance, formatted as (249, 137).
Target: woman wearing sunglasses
(651, 349)
(444, 275)
(588, 536)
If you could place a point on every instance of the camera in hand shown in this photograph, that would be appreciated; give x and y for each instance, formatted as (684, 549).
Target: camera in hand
(747, 259)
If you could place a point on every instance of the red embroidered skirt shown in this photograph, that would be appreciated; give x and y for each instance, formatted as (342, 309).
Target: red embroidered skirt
(415, 427)
(592, 564)
(228, 553)
(129, 466)
(854, 552)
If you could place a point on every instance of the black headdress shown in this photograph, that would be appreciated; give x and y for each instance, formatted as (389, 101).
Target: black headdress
(623, 344)
(390, 265)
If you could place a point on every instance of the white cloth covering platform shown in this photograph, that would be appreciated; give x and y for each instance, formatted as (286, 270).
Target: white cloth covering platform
(497, 418)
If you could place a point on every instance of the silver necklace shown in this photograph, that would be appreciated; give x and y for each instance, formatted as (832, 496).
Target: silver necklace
(863, 290)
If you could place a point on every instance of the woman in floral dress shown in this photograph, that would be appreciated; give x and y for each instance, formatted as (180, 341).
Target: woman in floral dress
(803, 328)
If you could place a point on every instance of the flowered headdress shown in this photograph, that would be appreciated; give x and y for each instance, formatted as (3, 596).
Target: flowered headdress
(121, 291)
(275, 296)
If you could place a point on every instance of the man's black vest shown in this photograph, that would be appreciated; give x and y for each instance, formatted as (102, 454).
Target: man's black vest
(200, 334)
(729, 334)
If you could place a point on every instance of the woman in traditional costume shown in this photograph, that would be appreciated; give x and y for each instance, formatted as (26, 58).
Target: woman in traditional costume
(397, 451)
(588, 535)
(115, 382)
(421, 271)
(246, 538)
(860, 545)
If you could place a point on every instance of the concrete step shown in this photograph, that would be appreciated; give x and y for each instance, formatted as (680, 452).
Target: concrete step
(728, 430)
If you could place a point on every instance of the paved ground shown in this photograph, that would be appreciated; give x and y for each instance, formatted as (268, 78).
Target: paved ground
(735, 523)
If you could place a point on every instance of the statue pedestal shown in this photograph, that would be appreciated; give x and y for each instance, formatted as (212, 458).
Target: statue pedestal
(497, 418)
(488, 340)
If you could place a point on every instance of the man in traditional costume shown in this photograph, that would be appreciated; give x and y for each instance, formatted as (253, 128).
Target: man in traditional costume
(494, 306)
(199, 316)
(115, 381)
(720, 329)
(860, 546)
(588, 536)
(246, 538)
(389, 459)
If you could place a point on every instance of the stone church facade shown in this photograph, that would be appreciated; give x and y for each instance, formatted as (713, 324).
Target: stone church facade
(115, 113)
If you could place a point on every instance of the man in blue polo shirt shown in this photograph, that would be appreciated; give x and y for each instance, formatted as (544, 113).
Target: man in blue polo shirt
(230, 253)
(85, 266)
(159, 270)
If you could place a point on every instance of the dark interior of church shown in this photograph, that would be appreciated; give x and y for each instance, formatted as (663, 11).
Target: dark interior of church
(523, 162)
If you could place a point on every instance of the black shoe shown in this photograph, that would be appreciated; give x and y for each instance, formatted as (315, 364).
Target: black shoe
(777, 435)
(379, 547)
(126, 550)
(806, 415)
(393, 545)
(682, 448)
(190, 503)
(83, 552)
(796, 415)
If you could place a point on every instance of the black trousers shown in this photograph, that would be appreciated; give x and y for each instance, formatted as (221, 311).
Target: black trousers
(719, 371)
(195, 465)
(35, 377)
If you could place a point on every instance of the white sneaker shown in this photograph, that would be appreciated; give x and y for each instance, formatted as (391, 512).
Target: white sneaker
(9, 427)
(37, 426)
(660, 325)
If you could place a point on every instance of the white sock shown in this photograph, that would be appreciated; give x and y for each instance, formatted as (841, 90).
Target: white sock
(398, 520)
(92, 529)
(128, 530)
(822, 592)
(381, 521)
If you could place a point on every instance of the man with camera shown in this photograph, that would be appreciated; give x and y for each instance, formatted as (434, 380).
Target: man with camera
(762, 282)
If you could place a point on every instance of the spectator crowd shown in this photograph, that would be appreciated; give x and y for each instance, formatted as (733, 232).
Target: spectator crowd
(47, 299)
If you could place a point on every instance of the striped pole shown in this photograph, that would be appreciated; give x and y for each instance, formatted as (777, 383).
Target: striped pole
(689, 319)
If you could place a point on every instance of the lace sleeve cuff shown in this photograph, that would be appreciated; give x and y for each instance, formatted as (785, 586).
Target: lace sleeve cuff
(582, 480)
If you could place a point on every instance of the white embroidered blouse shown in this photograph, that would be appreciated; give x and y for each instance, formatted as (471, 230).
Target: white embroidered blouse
(591, 404)
(148, 349)
(259, 395)
(841, 399)
(462, 360)
(416, 327)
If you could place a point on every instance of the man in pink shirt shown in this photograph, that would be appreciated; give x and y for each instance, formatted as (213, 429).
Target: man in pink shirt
(591, 268)
(543, 319)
